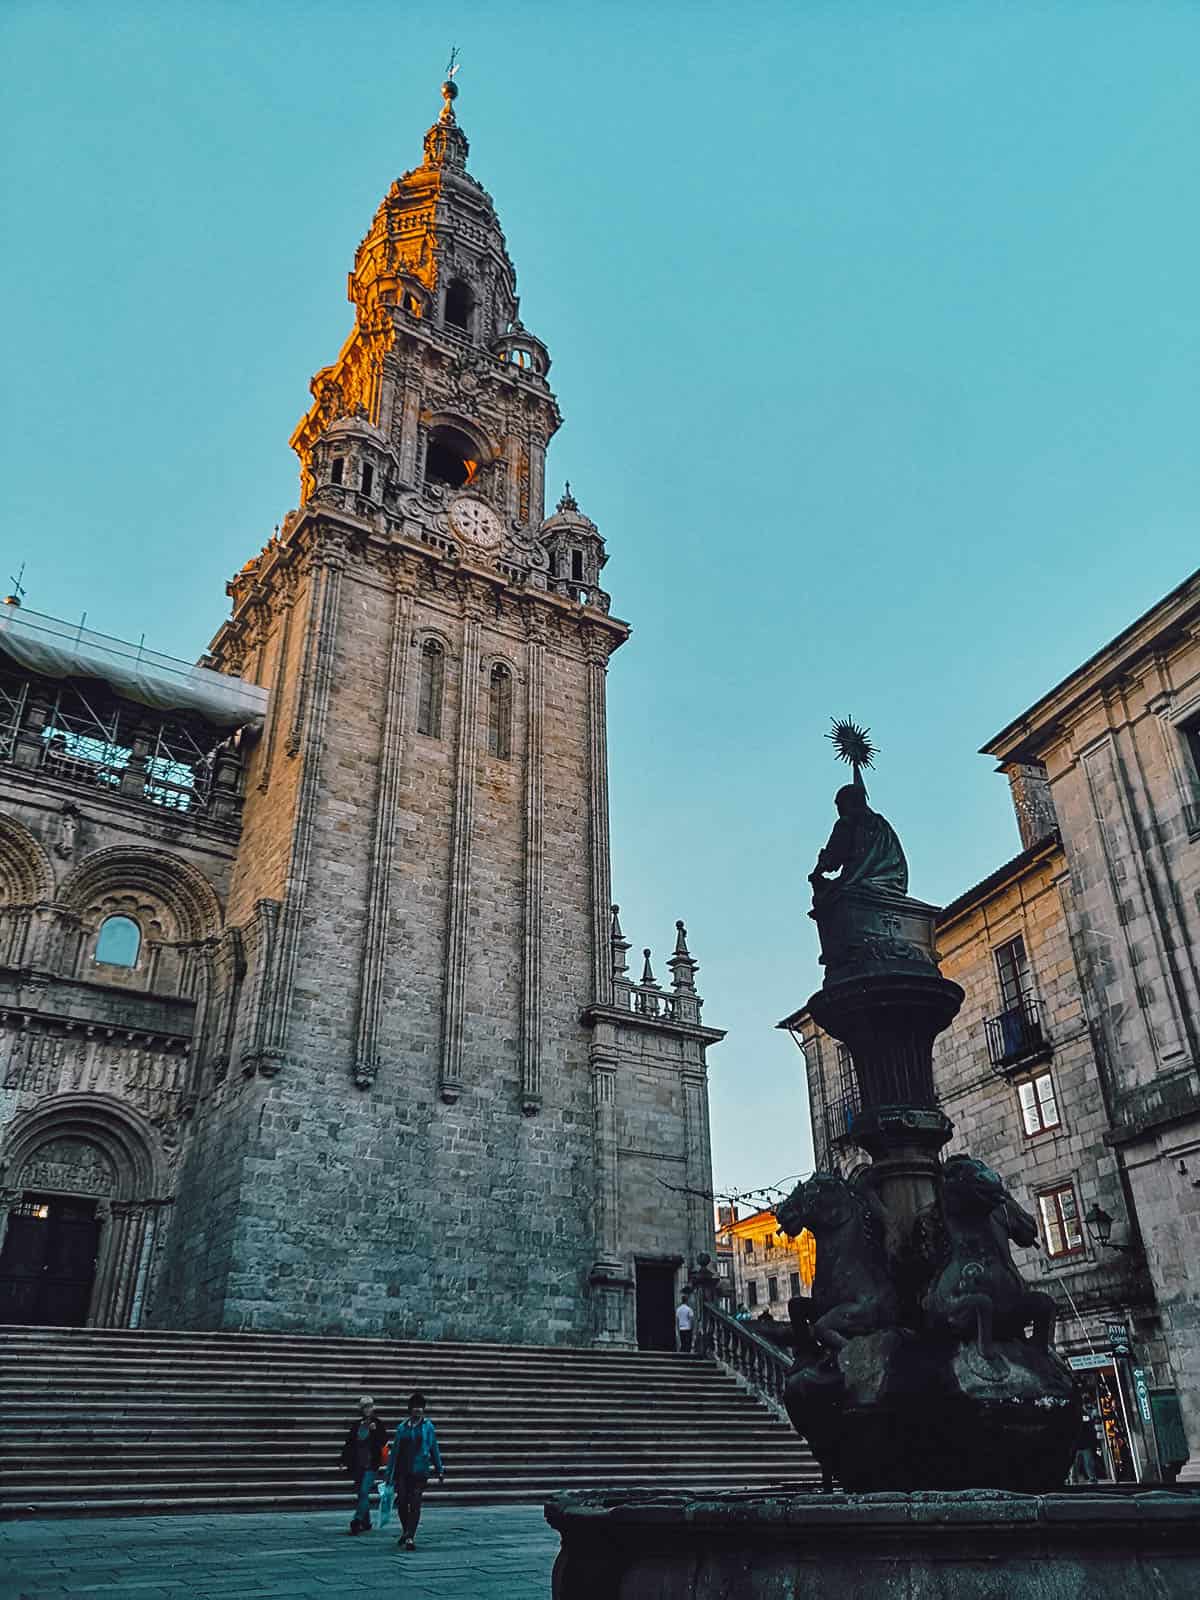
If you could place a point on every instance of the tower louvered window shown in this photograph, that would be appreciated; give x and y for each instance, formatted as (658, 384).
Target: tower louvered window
(500, 714)
(429, 701)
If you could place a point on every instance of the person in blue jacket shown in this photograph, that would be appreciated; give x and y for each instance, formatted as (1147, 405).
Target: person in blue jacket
(415, 1455)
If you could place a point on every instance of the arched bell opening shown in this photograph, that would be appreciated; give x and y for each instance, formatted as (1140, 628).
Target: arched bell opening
(451, 458)
(459, 306)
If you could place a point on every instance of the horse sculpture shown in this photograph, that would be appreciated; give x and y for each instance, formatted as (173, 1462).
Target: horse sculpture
(978, 1288)
(852, 1291)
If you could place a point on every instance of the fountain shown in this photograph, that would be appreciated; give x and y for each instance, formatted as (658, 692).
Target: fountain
(924, 1376)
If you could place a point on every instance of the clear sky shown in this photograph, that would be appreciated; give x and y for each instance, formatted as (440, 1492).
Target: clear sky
(875, 327)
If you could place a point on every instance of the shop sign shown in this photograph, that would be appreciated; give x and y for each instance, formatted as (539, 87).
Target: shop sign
(1088, 1363)
(1141, 1388)
(1117, 1335)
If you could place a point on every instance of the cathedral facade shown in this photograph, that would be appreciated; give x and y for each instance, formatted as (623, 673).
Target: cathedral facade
(318, 1010)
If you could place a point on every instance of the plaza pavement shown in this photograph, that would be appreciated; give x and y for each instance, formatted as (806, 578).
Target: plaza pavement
(463, 1553)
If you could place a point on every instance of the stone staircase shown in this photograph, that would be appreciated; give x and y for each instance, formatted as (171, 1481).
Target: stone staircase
(107, 1421)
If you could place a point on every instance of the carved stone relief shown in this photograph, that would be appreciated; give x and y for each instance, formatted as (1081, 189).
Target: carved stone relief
(74, 1165)
(153, 1081)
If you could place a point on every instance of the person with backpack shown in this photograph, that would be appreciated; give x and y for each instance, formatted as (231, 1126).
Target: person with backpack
(362, 1457)
(415, 1454)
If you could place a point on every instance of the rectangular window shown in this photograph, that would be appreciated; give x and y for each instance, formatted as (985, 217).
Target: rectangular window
(772, 1289)
(752, 1293)
(1012, 966)
(1039, 1105)
(368, 477)
(1191, 806)
(1191, 737)
(335, 471)
(795, 1283)
(847, 1087)
(1060, 1221)
(577, 565)
(768, 1243)
(749, 1248)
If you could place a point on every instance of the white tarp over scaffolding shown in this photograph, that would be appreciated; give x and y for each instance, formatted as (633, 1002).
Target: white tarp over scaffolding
(67, 650)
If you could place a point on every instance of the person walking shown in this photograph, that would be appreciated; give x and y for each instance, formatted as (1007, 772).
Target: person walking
(685, 1322)
(362, 1455)
(1084, 1468)
(415, 1454)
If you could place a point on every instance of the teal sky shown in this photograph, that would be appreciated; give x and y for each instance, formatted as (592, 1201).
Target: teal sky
(875, 328)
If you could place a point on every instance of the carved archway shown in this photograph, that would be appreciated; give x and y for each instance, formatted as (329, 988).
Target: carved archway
(26, 875)
(182, 888)
(96, 1148)
(173, 904)
(26, 888)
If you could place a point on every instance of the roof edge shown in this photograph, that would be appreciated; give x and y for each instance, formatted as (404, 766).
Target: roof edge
(1005, 745)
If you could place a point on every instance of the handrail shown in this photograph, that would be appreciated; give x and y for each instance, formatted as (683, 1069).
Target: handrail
(764, 1366)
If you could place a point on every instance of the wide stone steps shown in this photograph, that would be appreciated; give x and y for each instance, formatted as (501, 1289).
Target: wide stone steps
(100, 1422)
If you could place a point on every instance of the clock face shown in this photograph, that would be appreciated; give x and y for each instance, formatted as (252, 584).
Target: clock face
(476, 522)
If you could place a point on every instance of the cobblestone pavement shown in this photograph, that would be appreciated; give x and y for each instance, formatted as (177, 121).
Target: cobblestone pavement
(463, 1553)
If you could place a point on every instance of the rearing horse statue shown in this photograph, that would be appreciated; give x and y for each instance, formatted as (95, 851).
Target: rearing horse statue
(978, 1288)
(852, 1291)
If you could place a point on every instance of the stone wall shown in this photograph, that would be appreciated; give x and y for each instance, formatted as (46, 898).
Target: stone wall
(419, 1155)
(1119, 741)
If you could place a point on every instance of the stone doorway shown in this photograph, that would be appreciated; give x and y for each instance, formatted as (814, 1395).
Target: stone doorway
(48, 1261)
(656, 1304)
(83, 1188)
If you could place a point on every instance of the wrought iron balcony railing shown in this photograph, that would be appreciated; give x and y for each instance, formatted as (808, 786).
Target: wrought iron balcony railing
(838, 1116)
(1016, 1035)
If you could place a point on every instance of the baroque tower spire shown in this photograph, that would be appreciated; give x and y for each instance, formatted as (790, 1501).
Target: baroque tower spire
(438, 360)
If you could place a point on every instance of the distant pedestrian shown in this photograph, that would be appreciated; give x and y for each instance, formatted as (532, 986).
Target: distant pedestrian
(362, 1457)
(1085, 1466)
(685, 1322)
(415, 1455)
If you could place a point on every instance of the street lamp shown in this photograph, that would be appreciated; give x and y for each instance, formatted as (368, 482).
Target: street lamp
(1099, 1225)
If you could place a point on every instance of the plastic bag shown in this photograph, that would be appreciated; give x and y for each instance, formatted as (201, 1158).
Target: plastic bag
(387, 1495)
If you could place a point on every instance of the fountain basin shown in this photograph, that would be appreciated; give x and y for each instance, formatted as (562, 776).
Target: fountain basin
(1076, 1544)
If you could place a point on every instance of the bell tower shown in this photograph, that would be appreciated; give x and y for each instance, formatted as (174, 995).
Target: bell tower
(447, 1109)
(440, 362)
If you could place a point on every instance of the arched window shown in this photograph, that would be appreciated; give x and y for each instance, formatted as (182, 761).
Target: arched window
(459, 305)
(500, 713)
(118, 942)
(450, 458)
(429, 698)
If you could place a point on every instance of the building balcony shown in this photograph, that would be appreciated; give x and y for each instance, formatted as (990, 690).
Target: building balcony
(838, 1116)
(1015, 1038)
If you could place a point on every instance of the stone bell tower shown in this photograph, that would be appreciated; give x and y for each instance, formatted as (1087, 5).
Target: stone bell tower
(442, 1116)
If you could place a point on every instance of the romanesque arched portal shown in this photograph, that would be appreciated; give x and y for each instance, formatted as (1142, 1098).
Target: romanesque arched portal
(82, 1190)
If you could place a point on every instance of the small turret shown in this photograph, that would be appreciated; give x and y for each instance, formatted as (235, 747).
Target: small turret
(577, 554)
(352, 458)
(520, 349)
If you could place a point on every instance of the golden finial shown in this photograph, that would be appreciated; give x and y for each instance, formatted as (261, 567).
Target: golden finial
(449, 87)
